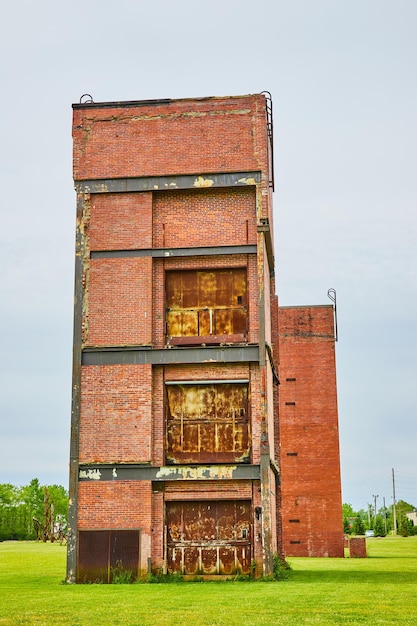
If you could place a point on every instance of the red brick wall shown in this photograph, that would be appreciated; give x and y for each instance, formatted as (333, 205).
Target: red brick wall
(357, 547)
(209, 217)
(122, 418)
(216, 490)
(176, 137)
(119, 302)
(120, 221)
(207, 371)
(116, 414)
(118, 505)
(310, 467)
(158, 418)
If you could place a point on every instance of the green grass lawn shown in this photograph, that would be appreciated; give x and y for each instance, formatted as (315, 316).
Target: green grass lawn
(381, 589)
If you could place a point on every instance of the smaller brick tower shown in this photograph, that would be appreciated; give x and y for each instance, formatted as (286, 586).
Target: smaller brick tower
(309, 435)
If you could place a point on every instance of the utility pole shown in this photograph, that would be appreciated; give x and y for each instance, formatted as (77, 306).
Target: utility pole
(394, 508)
(375, 497)
(385, 516)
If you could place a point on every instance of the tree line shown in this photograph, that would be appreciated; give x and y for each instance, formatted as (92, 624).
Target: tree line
(33, 511)
(358, 522)
(36, 511)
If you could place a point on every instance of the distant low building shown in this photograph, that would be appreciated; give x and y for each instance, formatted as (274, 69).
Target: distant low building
(412, 516)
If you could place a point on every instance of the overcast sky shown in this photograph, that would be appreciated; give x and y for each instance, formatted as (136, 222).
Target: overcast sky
(342, 74)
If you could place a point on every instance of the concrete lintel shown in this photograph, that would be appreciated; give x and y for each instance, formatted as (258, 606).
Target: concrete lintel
(168, 183)
(168, 356)
(166, 253)
(109, 472)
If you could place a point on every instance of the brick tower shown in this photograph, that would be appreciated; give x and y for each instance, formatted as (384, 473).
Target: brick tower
(175, 436)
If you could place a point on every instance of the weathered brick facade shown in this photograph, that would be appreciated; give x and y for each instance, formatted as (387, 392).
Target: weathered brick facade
(310, 468)
(178, 423)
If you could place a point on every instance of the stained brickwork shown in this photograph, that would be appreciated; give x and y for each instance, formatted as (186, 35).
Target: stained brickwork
(173, 193)
(120, 221)
(209, 217)
(310, 467)
(173, 137)
(115, 505)
(357, 547)
(119, 310)
(116, 414)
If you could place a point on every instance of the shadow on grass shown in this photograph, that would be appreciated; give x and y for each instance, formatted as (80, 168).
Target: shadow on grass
(390, 557)
(347, 576)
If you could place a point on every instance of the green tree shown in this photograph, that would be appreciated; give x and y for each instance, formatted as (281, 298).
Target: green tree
(8, 510)
(33, 497)
(347, 510)
(346, 526)
(379, 527)
(403, 507)
(7, 494)
(405, 526)
(363, 515)
(19, 505)
(358, 526)
(59, 496)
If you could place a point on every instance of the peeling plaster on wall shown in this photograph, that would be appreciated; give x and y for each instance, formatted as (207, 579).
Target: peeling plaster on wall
(92, 474)
(203, 182)
(247, 181)
(196, 473)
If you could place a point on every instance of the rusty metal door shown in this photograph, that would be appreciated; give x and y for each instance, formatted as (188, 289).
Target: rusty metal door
(207, 423)
(209, 306)
(101, 553)
(209, 537)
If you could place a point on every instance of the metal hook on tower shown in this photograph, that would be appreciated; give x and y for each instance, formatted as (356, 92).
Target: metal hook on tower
(89, 99)
(331, 294)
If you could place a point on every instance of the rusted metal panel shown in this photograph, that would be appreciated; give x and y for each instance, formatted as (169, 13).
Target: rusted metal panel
(124, 551)
(209, 537)
(103, 552)
(207, 423)
(211, 305)
(93, 550)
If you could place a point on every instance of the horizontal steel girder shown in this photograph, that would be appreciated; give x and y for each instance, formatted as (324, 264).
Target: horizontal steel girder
(166, 253)
(108, 472)
(169, 356)
(168, 183)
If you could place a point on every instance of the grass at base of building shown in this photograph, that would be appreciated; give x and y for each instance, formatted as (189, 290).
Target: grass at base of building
(381, 589)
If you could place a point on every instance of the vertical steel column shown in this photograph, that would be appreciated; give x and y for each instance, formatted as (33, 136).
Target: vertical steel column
(81, 249)
(264, 443)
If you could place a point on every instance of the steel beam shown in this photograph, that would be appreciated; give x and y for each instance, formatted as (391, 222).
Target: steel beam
(110, 472)
(166, 253)
(168, 183)
(72, 549)
(168, 356)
